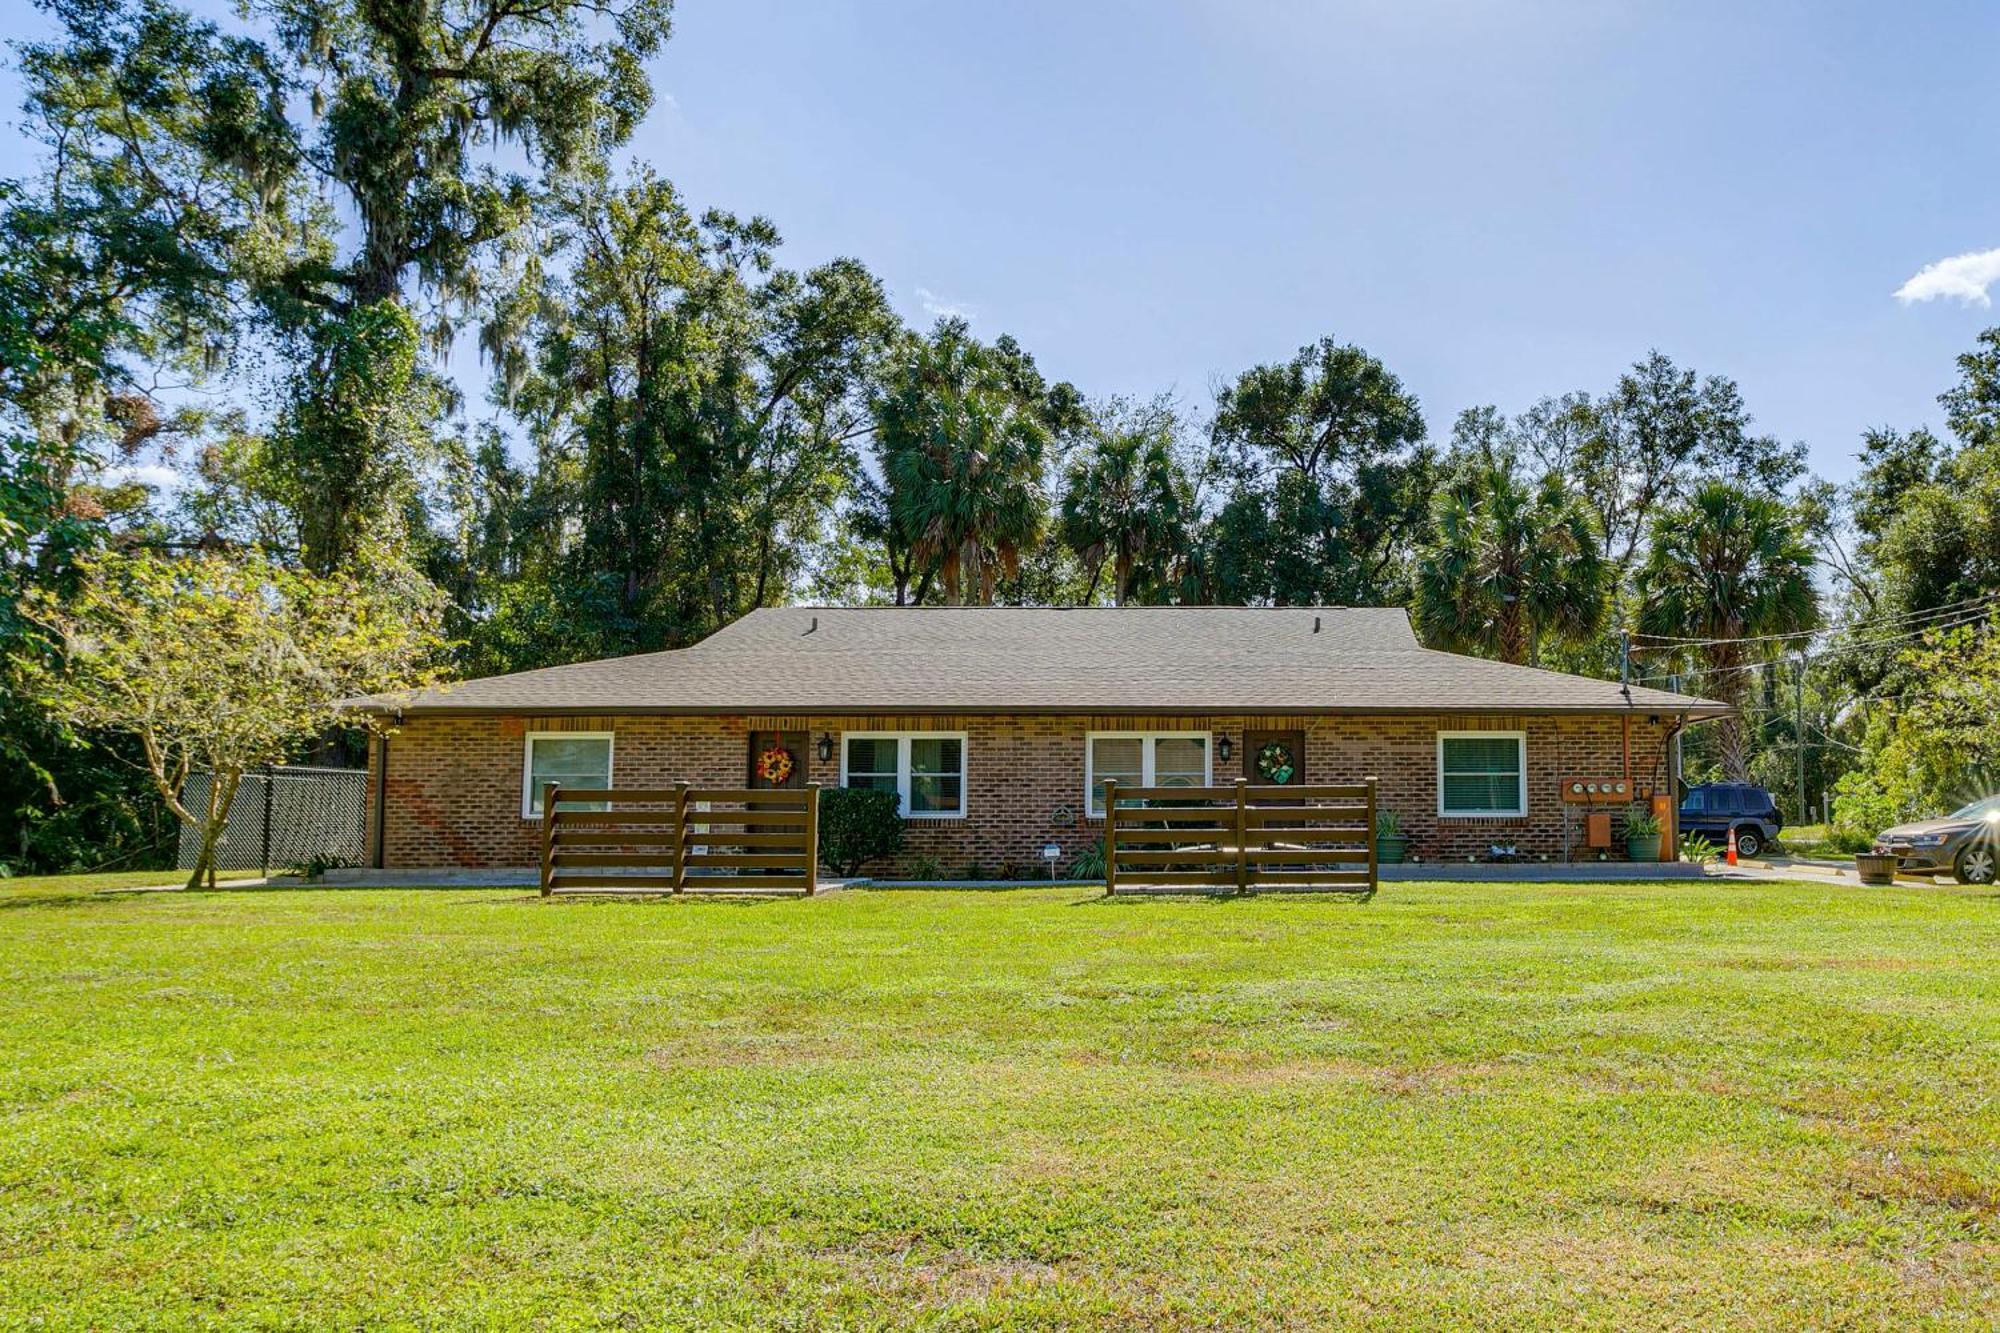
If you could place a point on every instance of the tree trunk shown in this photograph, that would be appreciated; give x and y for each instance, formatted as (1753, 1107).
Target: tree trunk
(1513, 635)
(1727, 662)
(1729, 739)
(221, 796)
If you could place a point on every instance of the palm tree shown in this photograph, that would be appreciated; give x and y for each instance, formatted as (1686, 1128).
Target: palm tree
(1508, 565)
(1723, 569)
(1128, 500)
(961, 442)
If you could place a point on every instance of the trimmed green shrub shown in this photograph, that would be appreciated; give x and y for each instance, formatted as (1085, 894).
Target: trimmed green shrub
(857, 825)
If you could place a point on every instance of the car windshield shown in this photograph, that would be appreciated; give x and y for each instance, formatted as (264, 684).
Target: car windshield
(1986, 809)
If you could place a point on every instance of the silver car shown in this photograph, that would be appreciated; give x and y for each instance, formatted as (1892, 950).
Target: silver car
(1965, 842)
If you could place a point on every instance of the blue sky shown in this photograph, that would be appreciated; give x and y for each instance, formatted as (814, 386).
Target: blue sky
(1500, 199)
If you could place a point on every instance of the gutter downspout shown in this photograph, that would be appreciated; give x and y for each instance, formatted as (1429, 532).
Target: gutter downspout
(382, 802)
(1674, 779)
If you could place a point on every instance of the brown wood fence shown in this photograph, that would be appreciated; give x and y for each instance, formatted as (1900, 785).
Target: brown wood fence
(1240, 838)
(681, 839)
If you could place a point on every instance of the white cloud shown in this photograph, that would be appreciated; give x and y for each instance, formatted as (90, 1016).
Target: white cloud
(939, 308)
(1964, 278)
(159, 477)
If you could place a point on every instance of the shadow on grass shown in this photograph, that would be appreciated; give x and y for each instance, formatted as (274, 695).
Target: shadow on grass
(54, 898)
(490, 895)
(735, 900)
(970, 885)
(1308, 898)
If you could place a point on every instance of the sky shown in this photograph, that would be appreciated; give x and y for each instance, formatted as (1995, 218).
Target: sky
(1502, 199)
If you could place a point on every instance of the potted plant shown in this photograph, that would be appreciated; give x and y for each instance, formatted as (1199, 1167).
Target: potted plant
(1642, 835)
(1390, 842)
(1876, 868)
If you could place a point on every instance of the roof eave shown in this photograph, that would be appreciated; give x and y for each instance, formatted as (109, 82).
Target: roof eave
(1700, 710)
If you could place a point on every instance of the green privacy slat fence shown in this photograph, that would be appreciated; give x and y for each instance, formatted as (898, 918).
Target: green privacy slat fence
(287, 816)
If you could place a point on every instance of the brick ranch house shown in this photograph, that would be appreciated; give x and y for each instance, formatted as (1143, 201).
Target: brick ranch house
(997, 728)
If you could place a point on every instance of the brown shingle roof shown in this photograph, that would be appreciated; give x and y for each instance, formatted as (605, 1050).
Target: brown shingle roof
(1074, 660)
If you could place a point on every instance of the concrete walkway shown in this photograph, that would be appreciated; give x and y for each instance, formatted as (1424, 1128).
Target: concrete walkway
(1834, 872)
(180, 885)
(1538, 872)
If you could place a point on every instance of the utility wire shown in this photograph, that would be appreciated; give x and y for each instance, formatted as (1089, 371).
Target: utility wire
(1897, 696)
(1828, 738)
(1873, 622)
(1842, 650)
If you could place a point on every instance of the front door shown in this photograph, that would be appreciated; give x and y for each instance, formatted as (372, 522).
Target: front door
(778, 759)
(1274, 758)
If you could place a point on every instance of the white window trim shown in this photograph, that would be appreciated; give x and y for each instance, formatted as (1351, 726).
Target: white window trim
(903, 739)
(1521, 769)
(1146, 770)
(528, 810)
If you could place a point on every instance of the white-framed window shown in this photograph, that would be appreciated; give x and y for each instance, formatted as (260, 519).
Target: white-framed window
(1142, 759)
(1482, 774)
(926, 769)
(571, 758)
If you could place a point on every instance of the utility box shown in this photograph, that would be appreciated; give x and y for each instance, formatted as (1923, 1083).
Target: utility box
(1597, 830)
(1668, 814)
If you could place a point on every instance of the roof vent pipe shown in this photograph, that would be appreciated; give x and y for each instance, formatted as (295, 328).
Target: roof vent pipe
(1315, 624)
(812, 627)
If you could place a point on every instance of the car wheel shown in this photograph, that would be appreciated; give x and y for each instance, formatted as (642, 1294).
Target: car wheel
(1975, 864)
(1749, 842)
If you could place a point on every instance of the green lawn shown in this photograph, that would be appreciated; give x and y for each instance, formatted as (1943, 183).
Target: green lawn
(1814, 840)
(1691, 1105)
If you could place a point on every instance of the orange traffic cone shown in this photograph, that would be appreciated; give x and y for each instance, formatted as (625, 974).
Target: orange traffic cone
(1732, 846)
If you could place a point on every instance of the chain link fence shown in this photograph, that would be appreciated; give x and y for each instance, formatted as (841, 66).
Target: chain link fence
(285, 817)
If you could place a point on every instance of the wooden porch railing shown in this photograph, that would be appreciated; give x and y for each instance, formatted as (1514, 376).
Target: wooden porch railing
(681, 839)
(1240, 838)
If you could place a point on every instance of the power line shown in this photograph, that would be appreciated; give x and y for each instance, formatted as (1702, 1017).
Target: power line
(1842, 650)
(1828, 738)
(1897, 696)
(1872, 622)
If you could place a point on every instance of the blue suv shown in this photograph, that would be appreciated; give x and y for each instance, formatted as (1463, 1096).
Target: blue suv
(1714, 808)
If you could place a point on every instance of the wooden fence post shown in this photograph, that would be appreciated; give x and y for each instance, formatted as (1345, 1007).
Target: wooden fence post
(680, 835)
(1242, 836)
(1368, 833)
(812, 838)
(1110, 836)
(549, 790)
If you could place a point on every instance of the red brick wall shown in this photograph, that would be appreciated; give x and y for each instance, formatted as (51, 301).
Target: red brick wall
(454, 792)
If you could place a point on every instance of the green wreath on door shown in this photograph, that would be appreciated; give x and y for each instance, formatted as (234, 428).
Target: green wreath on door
(1275, 764)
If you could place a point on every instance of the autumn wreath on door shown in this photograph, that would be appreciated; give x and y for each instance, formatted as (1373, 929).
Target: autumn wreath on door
(1275, 763)
(775, 765)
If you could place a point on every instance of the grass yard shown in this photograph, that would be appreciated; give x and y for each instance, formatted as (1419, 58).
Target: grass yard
(1692, 1105)
(1813, 840)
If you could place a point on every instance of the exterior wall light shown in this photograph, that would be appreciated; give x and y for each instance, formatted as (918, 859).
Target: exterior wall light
(1224, 747)
(825, 748)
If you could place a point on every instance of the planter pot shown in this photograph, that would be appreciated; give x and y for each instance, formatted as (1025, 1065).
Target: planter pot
(1643, 849)
(1389, 848)
(1875, 869)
